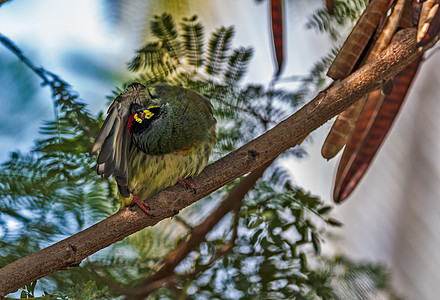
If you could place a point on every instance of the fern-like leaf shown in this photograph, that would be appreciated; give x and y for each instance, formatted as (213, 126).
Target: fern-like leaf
(193, 40)
(237, 65)
(343, 13)
(164, 28)
(151, 54)
(218, 46)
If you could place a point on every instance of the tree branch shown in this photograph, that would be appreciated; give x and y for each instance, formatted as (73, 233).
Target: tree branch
(71, 251)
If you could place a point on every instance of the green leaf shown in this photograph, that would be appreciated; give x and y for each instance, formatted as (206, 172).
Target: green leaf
(303, 260)
(255, 222)
(334, 222)
(325, 209)
(316, 243)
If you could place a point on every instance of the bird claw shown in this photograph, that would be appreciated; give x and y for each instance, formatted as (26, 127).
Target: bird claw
(187, 184)
(142, 205)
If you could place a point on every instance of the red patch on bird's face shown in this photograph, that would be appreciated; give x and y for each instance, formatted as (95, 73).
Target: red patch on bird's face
(130, 123)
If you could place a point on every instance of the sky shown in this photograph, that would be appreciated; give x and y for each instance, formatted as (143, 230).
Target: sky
(58, 36)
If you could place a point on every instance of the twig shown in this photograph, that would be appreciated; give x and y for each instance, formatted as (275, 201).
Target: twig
(54, 81)
(1, 3)
(11, 46)
(184, 223)
(71, 251)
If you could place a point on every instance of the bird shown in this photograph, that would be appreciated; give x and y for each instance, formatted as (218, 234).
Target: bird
(150, 141)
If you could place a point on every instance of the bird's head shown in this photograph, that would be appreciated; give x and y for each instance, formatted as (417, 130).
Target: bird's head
(141, 118)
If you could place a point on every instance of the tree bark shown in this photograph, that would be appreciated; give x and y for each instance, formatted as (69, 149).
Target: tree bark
(335, 99)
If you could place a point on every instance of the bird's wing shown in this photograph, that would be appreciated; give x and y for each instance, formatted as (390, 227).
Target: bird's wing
(113, 139)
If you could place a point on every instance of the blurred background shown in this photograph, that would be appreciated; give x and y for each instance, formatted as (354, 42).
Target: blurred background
(393, 215)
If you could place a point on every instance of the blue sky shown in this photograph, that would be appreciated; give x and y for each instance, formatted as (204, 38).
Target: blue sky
(59, 36)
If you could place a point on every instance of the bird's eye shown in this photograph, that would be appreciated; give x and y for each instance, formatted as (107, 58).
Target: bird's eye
(146, 114)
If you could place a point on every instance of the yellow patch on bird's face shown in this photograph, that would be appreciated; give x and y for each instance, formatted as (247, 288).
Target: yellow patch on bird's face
(146, 114)
(137, 119)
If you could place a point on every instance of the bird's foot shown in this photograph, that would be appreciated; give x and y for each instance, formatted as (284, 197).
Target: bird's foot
(187, 184)
(142, 205)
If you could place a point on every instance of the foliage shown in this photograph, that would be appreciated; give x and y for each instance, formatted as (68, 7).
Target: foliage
(344, 12)
(53, 192)
(366, 281)
(87, 291)
(277, 232)
(178, 57)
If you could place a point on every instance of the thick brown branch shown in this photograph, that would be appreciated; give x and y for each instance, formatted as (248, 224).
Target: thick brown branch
(71, 251)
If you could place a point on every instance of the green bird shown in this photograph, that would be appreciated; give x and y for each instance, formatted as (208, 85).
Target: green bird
(150, 141)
